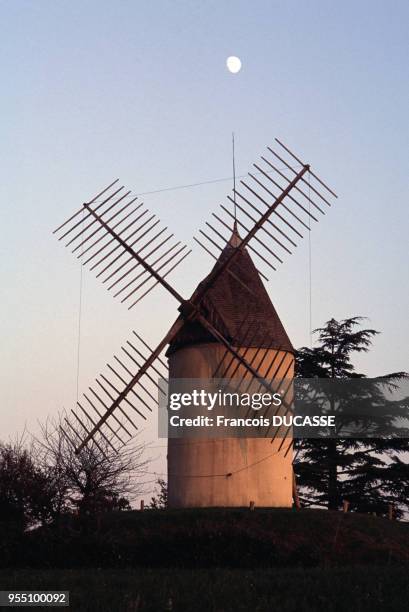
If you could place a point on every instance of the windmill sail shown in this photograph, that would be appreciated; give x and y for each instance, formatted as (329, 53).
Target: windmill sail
(278, 235)
(133, 255)
(102, 235)
(133, 407)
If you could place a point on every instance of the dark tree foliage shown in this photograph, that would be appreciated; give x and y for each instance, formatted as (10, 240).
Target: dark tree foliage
(97, 479)
(43, 481)
(370, 473)
(24, 491)
(160, 501)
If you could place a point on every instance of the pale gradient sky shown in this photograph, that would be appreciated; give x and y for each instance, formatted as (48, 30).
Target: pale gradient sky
(92, 91)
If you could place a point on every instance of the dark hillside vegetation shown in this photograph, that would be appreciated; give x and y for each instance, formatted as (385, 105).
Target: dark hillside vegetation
(208, 538)
(342, 589)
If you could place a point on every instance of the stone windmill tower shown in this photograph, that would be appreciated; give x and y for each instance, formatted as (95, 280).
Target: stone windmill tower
(227, 327)
(231, 471)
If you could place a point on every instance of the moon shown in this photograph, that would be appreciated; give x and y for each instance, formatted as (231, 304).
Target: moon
(233, 64)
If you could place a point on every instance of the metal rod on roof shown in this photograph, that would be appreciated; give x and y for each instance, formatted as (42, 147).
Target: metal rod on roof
(234, 181)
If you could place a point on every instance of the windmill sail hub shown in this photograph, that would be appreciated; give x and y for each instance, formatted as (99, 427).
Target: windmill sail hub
(237, 292)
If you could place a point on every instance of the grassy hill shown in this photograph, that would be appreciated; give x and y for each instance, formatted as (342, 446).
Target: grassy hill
(217, 560)
(346, 589)
(222, 538)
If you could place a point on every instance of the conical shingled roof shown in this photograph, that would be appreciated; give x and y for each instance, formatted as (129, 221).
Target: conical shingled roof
(227, 303)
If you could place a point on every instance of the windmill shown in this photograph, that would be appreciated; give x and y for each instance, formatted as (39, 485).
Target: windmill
(125, 245)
